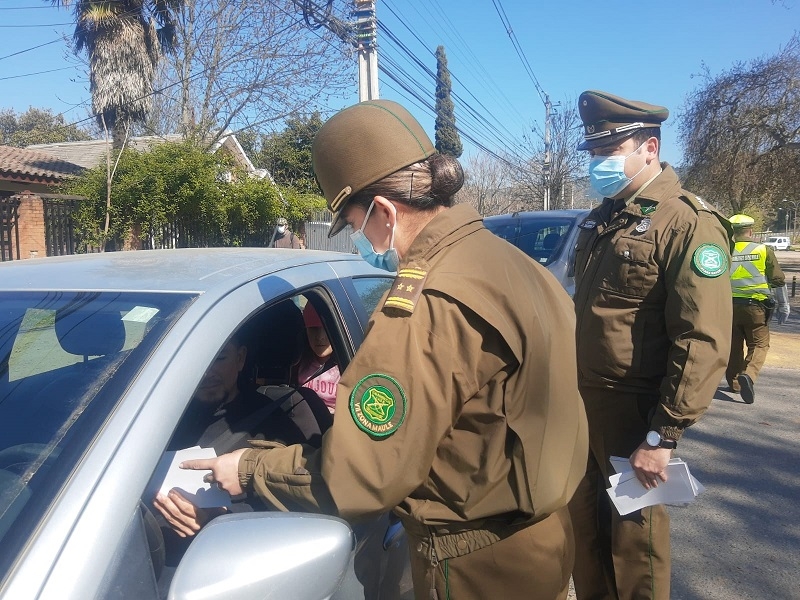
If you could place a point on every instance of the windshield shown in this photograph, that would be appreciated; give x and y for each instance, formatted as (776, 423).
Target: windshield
(540, 237)
(65, 360)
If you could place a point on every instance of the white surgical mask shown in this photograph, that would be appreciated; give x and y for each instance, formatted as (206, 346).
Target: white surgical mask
(281, 228)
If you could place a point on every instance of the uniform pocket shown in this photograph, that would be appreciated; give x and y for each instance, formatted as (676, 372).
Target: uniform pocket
(636, 269)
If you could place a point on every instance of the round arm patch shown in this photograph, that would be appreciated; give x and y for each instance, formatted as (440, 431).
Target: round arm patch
(709, 260)
(378, 405)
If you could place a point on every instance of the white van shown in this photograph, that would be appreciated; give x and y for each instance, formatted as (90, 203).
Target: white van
(778, 242)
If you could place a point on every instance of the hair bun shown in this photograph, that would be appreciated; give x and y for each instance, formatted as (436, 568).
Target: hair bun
(447, 177)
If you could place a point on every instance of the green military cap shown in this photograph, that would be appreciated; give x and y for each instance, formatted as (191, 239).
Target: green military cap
(363, 144)
(608, 119)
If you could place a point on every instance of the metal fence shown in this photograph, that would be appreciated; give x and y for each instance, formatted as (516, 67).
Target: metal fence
(316, 234)
(9, 233)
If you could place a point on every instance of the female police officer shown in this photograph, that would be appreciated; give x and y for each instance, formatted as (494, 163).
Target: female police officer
(460, 411)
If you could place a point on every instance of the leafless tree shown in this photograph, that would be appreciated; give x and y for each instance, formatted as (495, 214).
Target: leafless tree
(243, 65)
(741, 132)
(567, 164)
(487, 185)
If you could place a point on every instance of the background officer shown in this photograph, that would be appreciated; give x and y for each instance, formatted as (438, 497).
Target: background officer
(653, 309)
(755, 274)
(459, 411)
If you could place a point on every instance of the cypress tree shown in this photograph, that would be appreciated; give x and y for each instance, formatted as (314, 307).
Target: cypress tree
(447, 139)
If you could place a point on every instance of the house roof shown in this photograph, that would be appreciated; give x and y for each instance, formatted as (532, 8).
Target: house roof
(22, 164)
(92, 153)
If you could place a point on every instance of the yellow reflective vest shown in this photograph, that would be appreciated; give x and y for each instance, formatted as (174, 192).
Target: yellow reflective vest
(748, 271)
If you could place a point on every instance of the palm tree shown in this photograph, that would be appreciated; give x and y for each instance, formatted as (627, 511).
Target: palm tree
(123, 40)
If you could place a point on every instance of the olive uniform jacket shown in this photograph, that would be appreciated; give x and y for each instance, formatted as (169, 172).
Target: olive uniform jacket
(653, 300)
(460, 406)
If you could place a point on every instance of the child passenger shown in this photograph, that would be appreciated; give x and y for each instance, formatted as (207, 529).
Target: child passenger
(311, 370)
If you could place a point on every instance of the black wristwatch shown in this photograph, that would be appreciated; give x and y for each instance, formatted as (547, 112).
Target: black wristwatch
(655, 440)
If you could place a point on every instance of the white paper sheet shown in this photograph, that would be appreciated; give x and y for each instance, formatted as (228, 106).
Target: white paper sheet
(628, 495)
(189, 482)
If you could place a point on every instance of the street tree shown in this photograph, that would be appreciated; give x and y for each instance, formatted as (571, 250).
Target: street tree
(487, 185)
(37, 126)
(740, 131)
(447, 140)
(123, 41)
(567, 164)
(287, 154)
(245, 66)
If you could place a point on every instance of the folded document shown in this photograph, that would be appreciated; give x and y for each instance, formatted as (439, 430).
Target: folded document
(628, 495)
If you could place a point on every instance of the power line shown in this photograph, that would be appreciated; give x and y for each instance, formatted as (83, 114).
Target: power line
(479, 120)
(510, 139)
(37, 73)
(32, 48)
(517, 47)
(36, 25)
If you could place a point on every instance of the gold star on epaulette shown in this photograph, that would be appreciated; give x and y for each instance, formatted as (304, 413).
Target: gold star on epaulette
(404, 296)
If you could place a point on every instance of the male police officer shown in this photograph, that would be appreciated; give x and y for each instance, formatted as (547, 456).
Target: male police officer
(653, 316)
(754, 270)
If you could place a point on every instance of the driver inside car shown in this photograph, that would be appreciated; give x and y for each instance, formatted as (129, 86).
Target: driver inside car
(225, 412)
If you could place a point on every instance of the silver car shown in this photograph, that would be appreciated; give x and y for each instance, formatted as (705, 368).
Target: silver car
(100, 356)
(547, 236)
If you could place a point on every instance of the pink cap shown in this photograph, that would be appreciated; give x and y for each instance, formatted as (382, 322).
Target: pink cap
(310, 316)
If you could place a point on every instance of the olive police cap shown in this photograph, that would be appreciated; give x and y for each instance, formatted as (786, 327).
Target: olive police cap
(608, 119)
(363, 144)
(742, 221)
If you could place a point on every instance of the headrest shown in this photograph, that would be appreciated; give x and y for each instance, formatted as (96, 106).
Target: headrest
(550, 241)
(276, 339)
(90, 332)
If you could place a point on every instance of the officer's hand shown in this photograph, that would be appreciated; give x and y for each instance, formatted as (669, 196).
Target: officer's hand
(783, 313)
(184, 517)
(650, 464)
(224, 470)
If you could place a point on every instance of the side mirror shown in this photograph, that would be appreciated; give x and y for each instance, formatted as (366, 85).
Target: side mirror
(252, 556)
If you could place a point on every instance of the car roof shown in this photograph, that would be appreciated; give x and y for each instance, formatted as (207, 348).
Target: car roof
(572, 213)
(195, 270)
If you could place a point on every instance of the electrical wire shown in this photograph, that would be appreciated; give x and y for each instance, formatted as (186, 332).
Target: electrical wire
(37, 73)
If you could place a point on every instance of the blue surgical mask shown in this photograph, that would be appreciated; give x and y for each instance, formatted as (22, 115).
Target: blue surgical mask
(607, 174)
(388, 261)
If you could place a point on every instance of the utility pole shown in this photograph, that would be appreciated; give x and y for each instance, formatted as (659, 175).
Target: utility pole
(548, 107)
(362, 35)
(366, 34)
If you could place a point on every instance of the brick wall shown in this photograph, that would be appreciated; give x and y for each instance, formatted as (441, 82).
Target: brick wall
(30, 222)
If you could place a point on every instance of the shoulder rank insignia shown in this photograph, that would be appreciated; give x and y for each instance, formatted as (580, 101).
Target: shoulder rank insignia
(406, 289)
(710, 260)
(378, 405)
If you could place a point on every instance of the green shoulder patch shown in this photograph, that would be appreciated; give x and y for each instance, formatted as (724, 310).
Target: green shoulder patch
(378, 405)
(710, 260)
(406, 289)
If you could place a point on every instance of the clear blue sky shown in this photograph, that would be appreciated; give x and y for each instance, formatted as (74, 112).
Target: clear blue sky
(641, 50)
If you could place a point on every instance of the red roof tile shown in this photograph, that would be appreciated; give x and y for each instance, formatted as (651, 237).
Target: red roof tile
(21, 163)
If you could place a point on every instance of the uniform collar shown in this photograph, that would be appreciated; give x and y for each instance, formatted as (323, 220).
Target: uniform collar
(445, 229)
(664, 186)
